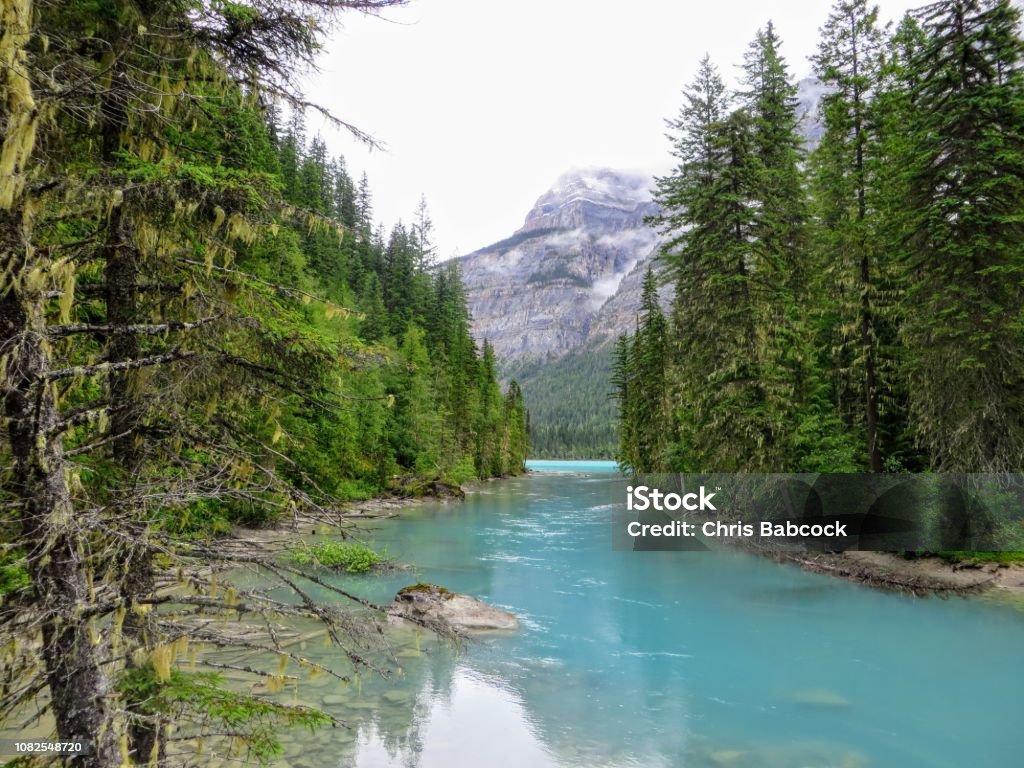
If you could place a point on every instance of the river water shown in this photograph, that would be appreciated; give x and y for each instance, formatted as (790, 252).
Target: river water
(719, 660)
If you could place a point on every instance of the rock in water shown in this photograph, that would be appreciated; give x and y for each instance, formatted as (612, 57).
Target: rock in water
(431, 603)
(818, 697)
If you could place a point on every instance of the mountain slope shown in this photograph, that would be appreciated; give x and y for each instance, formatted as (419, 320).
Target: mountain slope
(562, 281)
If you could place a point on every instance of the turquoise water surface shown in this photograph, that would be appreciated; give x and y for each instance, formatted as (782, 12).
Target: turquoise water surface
(670, 658)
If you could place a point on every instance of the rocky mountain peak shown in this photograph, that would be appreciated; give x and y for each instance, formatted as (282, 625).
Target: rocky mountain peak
(568, 276)
(592, 197)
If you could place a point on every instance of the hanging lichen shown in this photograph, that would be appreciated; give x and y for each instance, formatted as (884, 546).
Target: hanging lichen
(161, 658)
(16, 91)
(67, 295)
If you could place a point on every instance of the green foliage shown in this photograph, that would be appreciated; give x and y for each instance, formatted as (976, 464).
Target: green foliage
(462, 471)
(239, 341)
(13, 574)
(862, 310)
(571, 415)
(350, 557)
(640, 379)
(254, 720)
(982, 557)
(202, 518)
(965, 263)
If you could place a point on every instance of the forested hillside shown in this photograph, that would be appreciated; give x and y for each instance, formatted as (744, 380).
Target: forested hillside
(200, 325)
(571, 410)
(859, 308)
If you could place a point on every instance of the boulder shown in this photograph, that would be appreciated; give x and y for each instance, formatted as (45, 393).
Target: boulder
(431, 603)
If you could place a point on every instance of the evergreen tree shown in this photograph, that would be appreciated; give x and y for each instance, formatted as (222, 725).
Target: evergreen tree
(769, 97)
(780, 263)
(650, 411)
(422, 232)
(849, 63)
(962, 325)
(622, 380)
(705, 105)
(709, 224)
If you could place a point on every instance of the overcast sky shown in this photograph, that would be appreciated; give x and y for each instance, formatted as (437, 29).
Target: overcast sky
(483, 104)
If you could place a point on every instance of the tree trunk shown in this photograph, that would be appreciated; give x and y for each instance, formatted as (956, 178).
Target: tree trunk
(121, 277)
(50, 533)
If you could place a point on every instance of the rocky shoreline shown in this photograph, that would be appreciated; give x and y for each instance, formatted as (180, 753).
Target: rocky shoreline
(920, 576)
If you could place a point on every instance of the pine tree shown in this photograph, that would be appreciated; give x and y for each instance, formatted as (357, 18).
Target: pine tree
(422, 233)
(709, 222)
(780, 264)
(966, 260)
(650, 411)
(622, 380)
(705, 105)
(769, 97)
(849, 63)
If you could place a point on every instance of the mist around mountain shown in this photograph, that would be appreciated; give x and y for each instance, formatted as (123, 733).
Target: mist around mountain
(564, 280)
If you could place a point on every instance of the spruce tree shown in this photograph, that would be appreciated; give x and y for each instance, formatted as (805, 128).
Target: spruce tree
(622, 380)
(779, 262)
(965, 260)
(650, 411)
(708, 221)
(849, 64)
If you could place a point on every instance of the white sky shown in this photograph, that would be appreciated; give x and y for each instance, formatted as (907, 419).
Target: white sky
(484, 103)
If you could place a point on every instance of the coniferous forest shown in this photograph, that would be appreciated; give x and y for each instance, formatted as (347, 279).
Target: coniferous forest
(858, 307)
(211, 349)
(200, 326)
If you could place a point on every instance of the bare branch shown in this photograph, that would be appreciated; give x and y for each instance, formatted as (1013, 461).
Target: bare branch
(142, 329)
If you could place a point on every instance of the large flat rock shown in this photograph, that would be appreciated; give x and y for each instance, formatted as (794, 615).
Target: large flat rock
(431, 603)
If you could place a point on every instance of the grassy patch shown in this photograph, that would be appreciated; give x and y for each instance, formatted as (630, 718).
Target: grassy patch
(339, 555)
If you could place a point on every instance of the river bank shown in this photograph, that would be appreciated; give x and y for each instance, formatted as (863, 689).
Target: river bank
(918, 575)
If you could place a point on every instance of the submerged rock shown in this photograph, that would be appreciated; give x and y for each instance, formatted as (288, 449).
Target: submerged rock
(431, 603)
(818, 697)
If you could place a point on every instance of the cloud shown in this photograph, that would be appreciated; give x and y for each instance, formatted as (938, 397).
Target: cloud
(607, 287)
(630, 239)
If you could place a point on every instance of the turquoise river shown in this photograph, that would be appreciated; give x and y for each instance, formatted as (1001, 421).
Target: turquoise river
(718, 660)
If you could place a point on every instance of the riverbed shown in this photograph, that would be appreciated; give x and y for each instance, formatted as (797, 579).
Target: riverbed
(661, 658)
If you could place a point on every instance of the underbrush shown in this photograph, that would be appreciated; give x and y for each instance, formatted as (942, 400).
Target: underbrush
(345, 556)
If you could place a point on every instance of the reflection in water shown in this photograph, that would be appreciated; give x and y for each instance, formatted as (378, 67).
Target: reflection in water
(702, 660)
(476, 717)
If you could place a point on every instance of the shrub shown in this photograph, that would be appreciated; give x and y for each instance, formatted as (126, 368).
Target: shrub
(463, 471)
(339, 555)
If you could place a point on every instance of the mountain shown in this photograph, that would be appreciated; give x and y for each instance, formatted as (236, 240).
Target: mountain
(568, 277)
